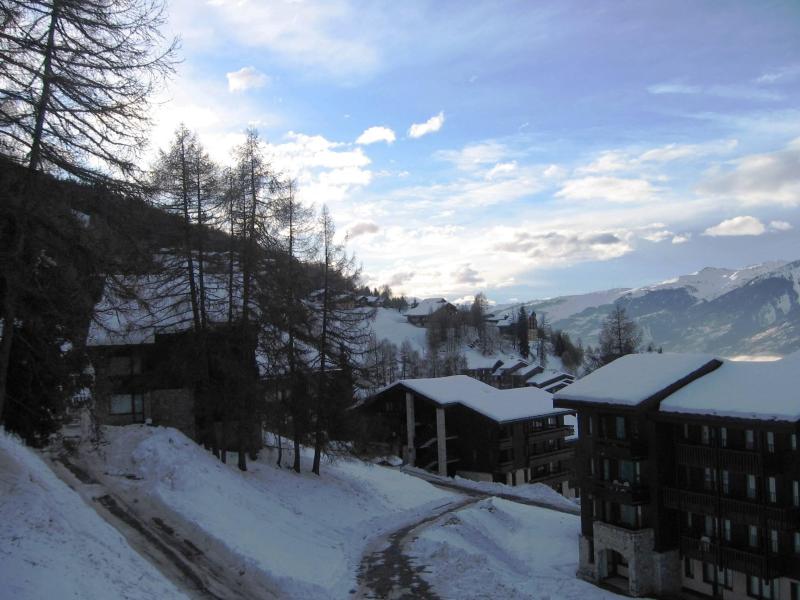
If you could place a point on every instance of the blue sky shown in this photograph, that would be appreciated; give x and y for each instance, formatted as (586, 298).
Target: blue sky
(526, 149)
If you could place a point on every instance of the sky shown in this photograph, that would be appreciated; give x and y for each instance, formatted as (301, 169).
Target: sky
(523, 149)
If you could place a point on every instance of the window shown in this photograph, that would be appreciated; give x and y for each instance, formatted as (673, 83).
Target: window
(689, 520)
(591, 466)
(723, 437)
(772, 490)
(724, 577)
(710, 526)
(606, 469)
(760, 588)
(686, 431)
(794, 441)
(629, 471)
(629, 515)
(770, 441)
(552, 421)
(751, 487)
(708, 478)
(749, 439)
(619, 423)
(796, 538)
(752, 533)
(773, 541)
(796, 493)
(706, 435)
(726, 482)
(688, 567)
(127, 404)
(726, 530)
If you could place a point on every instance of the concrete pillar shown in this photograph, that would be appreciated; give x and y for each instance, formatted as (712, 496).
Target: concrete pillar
(441, 442)
(411, 429)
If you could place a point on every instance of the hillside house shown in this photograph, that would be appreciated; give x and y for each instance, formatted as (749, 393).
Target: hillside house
(460, 426)
(145, 356)
(421, 311)
(690, 472)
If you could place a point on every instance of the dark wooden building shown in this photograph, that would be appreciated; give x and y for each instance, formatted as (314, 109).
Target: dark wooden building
(690, 473)
(460, 426)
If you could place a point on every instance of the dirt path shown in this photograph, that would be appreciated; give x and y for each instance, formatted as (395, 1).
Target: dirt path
(386, 571)
(195, 572)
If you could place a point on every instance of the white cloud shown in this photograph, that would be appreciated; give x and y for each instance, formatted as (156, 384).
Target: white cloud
(681, 238)
(246, 78)
(376, 134)
(612, 189)
(611, 161)
(779, 75)
(744, 225)
(475, 156)
(740, 92)
(362, 228)
(780, 226)
(432, 125)
(760, 179)
(501, 169)
(566, 247)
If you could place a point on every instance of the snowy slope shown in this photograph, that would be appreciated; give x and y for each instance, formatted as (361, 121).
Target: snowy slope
(304, 533)
(52, 545)
(499, 549)
(390, 324)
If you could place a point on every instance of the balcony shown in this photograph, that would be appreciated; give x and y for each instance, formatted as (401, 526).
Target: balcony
(550, 433)
(615, 448)
(543, 458)
(739, 461)
(750, 562)
(739, 511)
(505, 443)
(551, 477)
(618, 491)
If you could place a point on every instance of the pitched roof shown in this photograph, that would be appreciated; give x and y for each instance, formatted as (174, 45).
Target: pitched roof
(745, 390)
(632, 379)
(499, 405)
(426, 307)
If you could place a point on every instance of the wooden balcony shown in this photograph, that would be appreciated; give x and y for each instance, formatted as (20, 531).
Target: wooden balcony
(550, 433)
(621, 492)
(615, 448)
(543, 458)
(739, 511)
(751, 562)
(562, 475)
(739, 461)
(505, 443)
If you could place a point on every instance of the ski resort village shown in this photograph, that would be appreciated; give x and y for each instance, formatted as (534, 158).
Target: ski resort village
(423, 300)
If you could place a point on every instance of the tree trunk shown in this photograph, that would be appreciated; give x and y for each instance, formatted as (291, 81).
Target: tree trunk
(296, 465)
(44, 98)
(9, 316)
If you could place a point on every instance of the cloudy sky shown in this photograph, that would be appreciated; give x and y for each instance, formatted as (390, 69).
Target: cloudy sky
(527, 149)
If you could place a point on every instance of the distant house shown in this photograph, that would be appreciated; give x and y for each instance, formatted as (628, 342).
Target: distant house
(549, 380)
(419, 312)
(372, 301)
(506, 322)
(460, 426)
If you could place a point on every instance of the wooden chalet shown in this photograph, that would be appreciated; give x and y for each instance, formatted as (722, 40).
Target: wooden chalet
(421, 311)
(690, 472)
(460, 426)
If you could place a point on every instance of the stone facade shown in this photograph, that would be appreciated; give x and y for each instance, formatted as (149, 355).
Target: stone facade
(649, 572)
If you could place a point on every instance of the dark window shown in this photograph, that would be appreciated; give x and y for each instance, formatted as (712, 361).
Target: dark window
(127, 404)
(619, 427)
(688, 567)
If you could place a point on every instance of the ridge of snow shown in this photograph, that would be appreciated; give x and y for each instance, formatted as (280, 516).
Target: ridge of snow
(54, 546)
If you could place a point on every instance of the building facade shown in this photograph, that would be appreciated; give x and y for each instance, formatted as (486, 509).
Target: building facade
(460, 426)
(691, 476)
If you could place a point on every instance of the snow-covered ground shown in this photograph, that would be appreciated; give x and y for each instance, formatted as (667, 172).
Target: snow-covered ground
(304, 533)
(52, 545)
(500, 549)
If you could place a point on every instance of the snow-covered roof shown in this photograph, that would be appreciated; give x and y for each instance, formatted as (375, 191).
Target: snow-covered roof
(498, 405)
(426, 307)
(548, 375)
(744, 390)
(631, 379)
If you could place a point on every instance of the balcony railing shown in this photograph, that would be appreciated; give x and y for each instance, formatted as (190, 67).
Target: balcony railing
(550, 477)
(550, 433)
(753, 563)
(543, 458)
(616, 448)
(620, 491)
(739, 511)
(505, 443)
(739, 461)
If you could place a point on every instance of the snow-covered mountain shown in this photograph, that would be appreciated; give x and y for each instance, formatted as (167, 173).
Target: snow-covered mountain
(754, 310)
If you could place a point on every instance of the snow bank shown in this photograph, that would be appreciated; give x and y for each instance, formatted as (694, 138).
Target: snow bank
(499, 549)
(54, 546)
(304, 532)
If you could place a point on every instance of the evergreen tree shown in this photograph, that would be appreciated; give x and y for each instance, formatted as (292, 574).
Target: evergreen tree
(523, 343)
